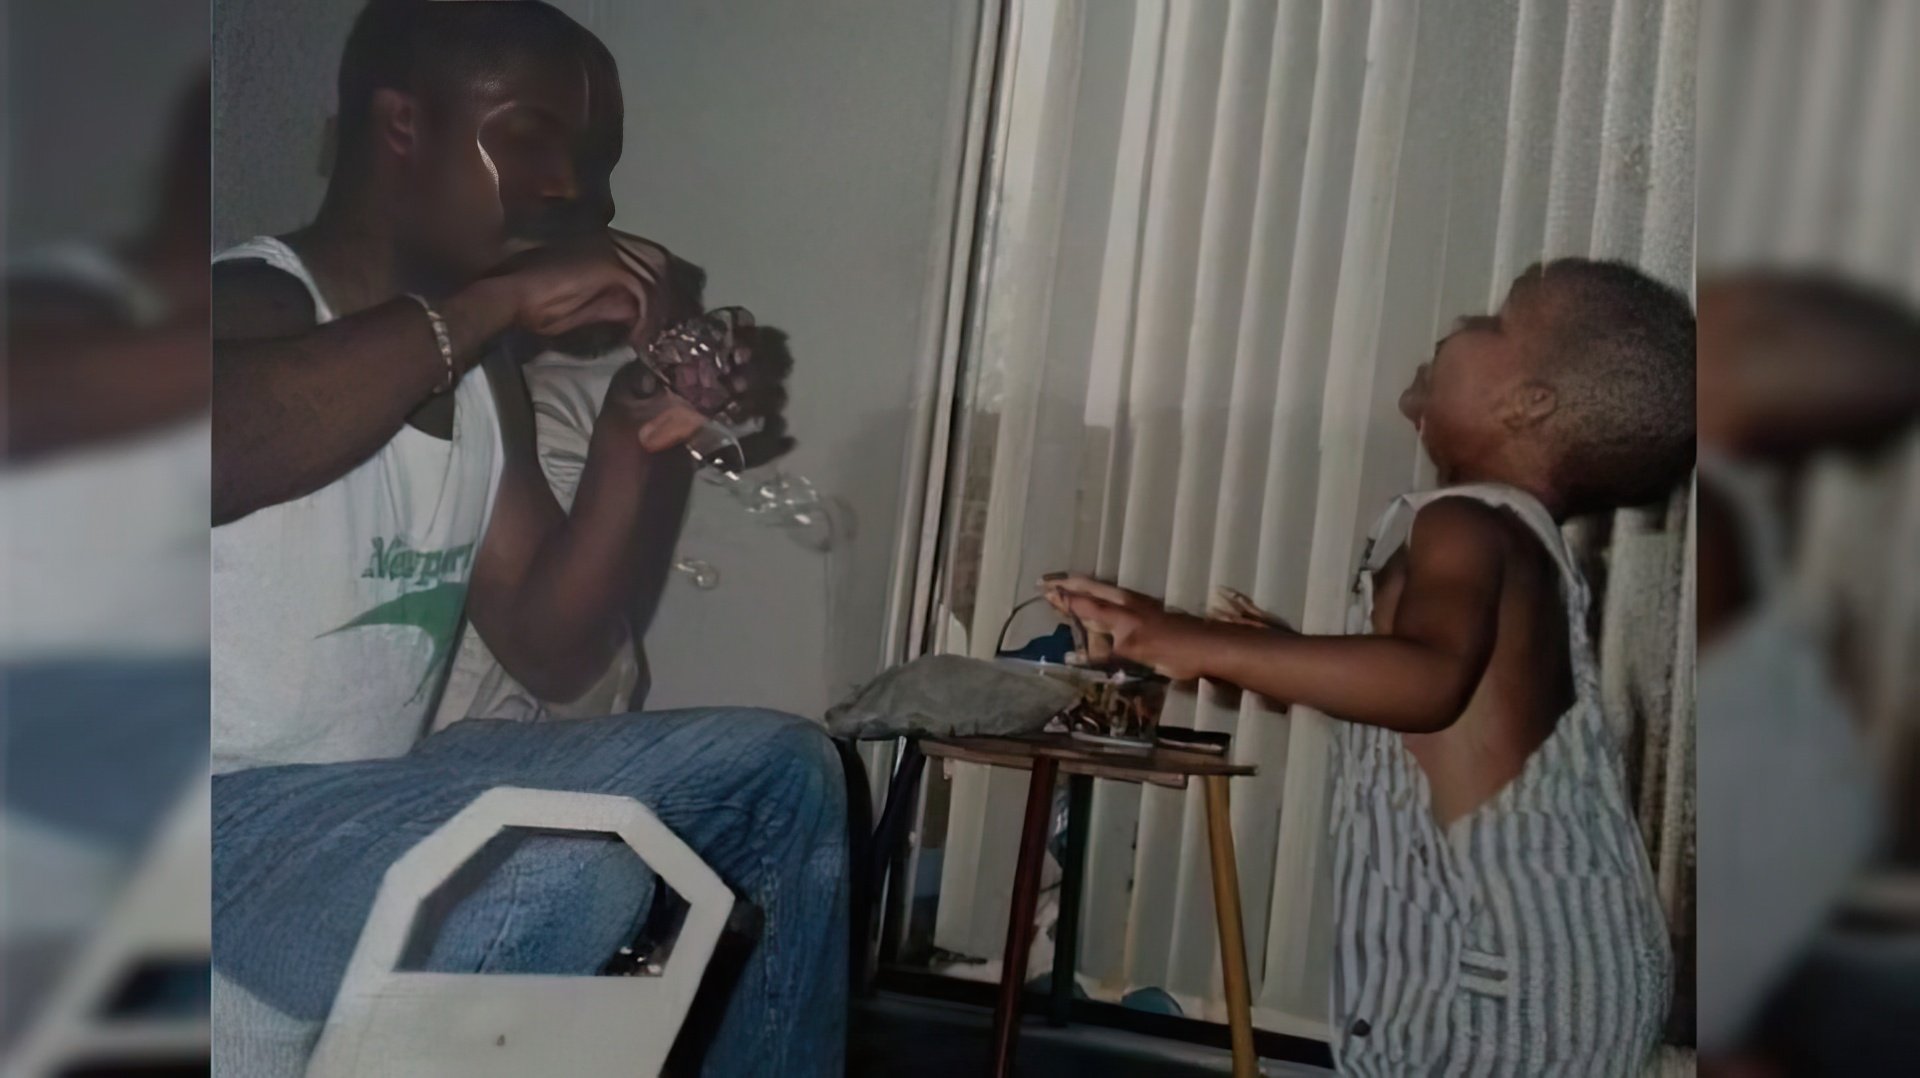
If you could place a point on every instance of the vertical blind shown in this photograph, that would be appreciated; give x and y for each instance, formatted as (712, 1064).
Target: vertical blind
(1217, 238)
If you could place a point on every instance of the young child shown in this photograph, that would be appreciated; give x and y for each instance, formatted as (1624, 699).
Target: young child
(1494, 906)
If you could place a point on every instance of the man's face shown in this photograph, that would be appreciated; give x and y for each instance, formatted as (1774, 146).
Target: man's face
(503, 162)
(1459, 399)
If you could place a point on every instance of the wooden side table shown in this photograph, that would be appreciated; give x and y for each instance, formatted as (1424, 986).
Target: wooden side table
(1049, 755)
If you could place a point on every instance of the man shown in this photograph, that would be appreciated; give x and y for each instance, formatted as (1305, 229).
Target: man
(374, 481)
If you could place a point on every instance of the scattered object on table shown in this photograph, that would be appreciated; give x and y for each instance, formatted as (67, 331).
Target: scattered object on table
(1120, 708)
(1182, 737)
(1120, 702)
(951, 696)
(1055, 647)
(1075, 631)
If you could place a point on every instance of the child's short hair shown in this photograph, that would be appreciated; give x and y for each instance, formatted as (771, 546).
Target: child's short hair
(1619, 354)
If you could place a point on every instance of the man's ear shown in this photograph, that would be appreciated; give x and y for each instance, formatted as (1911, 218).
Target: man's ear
(1529, 403)
(396, 120)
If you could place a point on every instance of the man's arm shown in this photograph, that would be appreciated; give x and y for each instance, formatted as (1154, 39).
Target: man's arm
(1418, 678)
(74, 378)
(296, 406)
(550, 588)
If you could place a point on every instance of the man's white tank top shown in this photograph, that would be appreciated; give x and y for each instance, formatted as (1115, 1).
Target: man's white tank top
(335, 614)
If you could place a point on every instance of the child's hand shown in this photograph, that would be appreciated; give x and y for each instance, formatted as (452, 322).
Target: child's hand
(1141, 627)
(1234, 608)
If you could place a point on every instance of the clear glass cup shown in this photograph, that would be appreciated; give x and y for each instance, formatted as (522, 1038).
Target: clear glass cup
(696, 361)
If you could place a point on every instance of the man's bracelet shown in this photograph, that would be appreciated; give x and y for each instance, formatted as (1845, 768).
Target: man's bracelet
(440, 337)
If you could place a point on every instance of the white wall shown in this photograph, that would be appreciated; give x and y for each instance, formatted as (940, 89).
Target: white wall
(799, 153)
(803, 154)
(93, 88)
(274, 63)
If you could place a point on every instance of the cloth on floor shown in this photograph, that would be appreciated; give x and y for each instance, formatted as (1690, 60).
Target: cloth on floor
(950, 696)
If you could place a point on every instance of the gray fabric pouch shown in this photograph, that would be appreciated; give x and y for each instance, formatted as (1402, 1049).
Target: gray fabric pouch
(950, 696)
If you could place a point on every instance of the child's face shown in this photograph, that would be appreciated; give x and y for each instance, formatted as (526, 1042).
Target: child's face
(1461, 400)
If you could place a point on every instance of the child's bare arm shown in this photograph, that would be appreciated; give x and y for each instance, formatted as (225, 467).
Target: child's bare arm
(1417, 678)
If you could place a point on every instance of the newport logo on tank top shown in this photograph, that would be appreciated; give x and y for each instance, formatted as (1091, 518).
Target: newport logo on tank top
(437, 593)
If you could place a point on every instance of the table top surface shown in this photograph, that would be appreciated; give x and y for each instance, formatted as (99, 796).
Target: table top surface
(1162, 766)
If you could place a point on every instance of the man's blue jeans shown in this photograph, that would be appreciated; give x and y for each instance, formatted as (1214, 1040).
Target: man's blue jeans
(299, 852)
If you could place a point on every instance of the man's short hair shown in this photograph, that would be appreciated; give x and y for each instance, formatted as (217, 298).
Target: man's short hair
(437, 49)
(1863, 341)
(1619, 354)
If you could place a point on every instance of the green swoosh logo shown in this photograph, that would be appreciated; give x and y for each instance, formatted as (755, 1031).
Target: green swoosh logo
(434, 611)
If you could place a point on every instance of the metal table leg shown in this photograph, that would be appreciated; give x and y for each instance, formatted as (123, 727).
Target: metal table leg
(1073, 876)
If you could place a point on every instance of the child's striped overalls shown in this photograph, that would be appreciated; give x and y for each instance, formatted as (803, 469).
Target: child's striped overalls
(1523, 939)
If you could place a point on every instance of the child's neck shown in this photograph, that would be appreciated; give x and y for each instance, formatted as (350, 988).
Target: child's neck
(1547, 494)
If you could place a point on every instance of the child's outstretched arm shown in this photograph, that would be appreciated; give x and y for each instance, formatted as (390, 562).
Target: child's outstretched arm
(1416, 678)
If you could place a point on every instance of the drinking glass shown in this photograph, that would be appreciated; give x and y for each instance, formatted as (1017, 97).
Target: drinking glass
(696, 361)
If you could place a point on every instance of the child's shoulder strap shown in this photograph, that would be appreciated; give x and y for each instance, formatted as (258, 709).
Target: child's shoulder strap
(1396, 523)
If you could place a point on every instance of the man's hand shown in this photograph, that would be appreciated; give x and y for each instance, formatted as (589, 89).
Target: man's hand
(706, 368)
(606, 277)
(636, 401)
(715, 363)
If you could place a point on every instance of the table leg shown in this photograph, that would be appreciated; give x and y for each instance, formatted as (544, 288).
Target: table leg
(1233, 943)
(1026, 895)
(893, 815)
(880, 894)
(1073, 875)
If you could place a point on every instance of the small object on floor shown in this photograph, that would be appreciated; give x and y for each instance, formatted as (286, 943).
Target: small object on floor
(950, 696)
(1153, 1001)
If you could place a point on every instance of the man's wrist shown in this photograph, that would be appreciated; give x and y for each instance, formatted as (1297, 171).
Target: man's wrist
(617, 431)
(618, 424)
(477, 314)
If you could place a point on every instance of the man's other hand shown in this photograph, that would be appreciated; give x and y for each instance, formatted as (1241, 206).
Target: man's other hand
(604, 278)
(637, 402)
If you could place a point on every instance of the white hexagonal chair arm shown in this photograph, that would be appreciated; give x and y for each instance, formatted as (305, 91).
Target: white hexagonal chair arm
(388, 1023)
